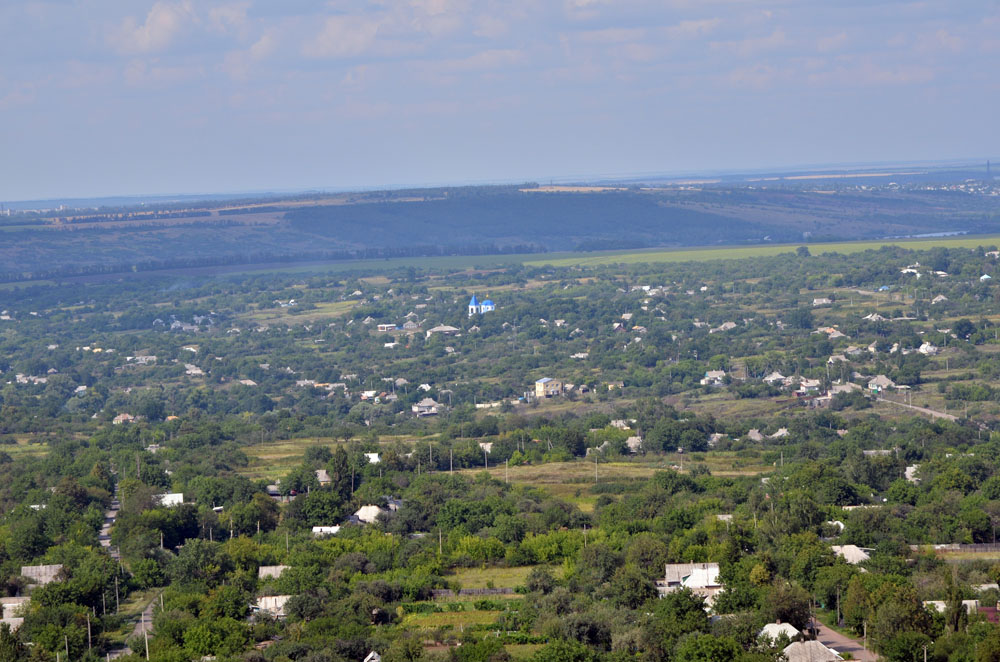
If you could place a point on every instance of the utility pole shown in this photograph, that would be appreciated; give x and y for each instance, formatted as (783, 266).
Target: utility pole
(506, 475)
(451, 460)
(839, 623)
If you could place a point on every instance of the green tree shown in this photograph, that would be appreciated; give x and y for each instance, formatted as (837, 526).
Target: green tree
(631, 588)
(700, 647)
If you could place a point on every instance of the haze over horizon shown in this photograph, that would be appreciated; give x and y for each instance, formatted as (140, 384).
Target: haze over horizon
(154, 98)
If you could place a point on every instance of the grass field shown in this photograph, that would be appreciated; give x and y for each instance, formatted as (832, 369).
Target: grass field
(455, 619)
(295, 315)
(571, 481)
(737, 252)
(26, 446)
(500, 577)
(570, 259)
(274, 459)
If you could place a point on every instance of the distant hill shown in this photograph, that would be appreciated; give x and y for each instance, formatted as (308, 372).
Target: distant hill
(472, 221)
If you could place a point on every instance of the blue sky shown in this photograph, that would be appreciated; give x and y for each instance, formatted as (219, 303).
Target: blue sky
(101, 97)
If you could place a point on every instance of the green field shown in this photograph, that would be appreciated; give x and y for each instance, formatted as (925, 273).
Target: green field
(596, 258)
(455, 619)
(738, 252)
(499, 577)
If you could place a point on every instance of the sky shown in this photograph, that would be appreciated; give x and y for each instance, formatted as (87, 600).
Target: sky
(111, 97)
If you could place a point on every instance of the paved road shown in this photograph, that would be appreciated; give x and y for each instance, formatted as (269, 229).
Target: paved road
(843, 644)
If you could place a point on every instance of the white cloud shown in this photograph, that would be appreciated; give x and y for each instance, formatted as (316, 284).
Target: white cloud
(693, 28)
(491, 59)
(490, 27)
(343, 36)
(227, 18)
(155, 73)
(238, 64)
(831, 43)
(163, 22)
(754, 45)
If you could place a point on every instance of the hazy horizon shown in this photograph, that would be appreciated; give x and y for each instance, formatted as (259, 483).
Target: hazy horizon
(624, 179)
(102, 99)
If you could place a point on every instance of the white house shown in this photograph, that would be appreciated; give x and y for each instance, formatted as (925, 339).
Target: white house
(701, 578)
(880, 383)
(713, 378)
(170, 500)
(369, 514)
(426, 407)
(271, 571)
(320, 531)
(810, 651)
(272, 604)
(773, 631)
(41, 574)
(775, 378)
(851, 553)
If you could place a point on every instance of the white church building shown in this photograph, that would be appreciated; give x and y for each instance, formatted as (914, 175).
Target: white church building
(477, 307)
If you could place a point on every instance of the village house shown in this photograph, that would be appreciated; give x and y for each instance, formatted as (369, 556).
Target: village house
(547, 387)
(725, 326)
(367, 514)
(41, 574)
(714, 378)
(822, 301)
(852, 553)
(272, 604)
(775, 378)
(774, 631)
(271, 571)
(880, 383)
(443, 329)
(928, 349)
(320, 531)
(810, 651)
(169, 500)
(701, 578)
(426, 407)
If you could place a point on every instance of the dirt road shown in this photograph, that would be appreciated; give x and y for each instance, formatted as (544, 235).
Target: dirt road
(843, 644)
